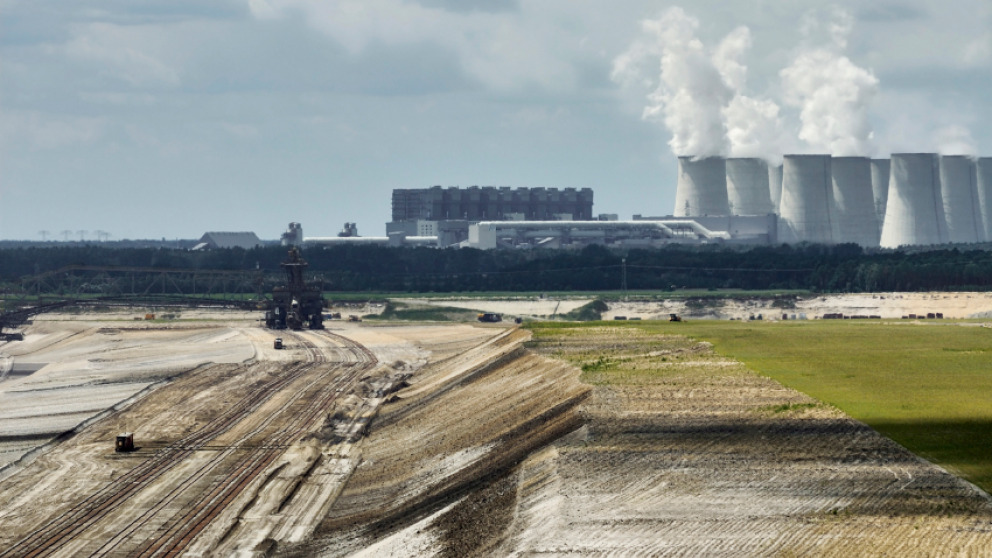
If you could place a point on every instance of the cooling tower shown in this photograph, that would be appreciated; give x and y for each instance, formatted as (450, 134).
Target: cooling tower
(984, 176)
(747, 187)
(853, 215)
(701, 188)
(806, 199)
(880, 187)
(914, 213)
(960, 194)
(775, 185)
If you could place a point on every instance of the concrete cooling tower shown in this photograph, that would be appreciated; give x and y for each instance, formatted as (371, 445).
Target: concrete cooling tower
(914, 213)
(775, 185)
(880, 187)
(984, 180)
(701, 188)
(806, 199)
(959, 191)
(747, 187)
(853, 216)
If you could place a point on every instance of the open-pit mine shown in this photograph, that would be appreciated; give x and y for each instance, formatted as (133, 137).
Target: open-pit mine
(446, 439)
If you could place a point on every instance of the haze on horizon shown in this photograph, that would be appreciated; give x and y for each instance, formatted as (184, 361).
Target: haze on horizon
(169, 118)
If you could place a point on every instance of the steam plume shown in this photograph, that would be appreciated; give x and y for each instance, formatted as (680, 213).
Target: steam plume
(689, 93)
(832, 93)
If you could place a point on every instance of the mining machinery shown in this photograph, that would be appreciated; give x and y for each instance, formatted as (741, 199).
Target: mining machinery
(295, 305)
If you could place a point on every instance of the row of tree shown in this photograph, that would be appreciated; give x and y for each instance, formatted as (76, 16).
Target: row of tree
(841, 268)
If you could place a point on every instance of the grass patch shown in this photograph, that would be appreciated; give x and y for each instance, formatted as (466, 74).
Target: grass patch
(790, 407)
(403, 312)
(590, 312)
(926, 386)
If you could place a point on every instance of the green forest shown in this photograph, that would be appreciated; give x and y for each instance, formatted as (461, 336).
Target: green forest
(839, 268)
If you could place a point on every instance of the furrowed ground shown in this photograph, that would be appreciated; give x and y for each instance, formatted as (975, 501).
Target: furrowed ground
(925, 384)
(686, 452)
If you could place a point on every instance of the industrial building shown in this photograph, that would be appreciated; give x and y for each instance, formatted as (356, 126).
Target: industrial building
(805, 208)
(909, 199)
(701, 188)
(490, 203)
(914, 213)
(215, 240)
(854, 218)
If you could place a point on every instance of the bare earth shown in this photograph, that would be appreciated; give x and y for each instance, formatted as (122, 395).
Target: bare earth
(443, 440)
(886, 305)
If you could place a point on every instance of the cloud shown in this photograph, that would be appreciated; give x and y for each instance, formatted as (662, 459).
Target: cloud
(955, 140)
(48, 131)
(499, 48)
(832, 92)
(688, 92)
(116, 52)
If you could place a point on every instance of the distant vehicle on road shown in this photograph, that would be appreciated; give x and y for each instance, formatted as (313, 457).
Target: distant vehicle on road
(490, 317)
(278, 343)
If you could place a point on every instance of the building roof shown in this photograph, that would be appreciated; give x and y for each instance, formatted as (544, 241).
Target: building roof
(212, 240)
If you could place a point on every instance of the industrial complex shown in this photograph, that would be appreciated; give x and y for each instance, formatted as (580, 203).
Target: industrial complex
(909, 199)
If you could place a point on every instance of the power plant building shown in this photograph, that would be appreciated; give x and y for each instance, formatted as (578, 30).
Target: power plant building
(805, 214)
(701, 188)
(959, 192)
(983, 172)
(880, 187)
(853, 217)
(911, 199)
(914, 213)
(490, 203)
(747, 187)
(775, 185)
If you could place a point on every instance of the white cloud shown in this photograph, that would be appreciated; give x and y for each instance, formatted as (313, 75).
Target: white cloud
(504, 50)
(48, 131)
(116, 51)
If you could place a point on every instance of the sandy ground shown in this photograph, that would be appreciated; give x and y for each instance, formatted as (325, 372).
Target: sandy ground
(886, 305)
(456, 440)
(536, 307)
(83, 367)
(708, 459)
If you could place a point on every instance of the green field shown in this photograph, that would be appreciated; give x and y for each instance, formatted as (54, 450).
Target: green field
(926, 385)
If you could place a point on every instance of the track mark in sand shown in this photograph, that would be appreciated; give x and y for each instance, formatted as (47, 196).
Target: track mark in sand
(70, 525)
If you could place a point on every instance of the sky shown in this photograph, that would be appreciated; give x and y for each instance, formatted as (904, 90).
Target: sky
(128, 119)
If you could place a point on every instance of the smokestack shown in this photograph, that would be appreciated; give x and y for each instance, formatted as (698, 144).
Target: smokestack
(701, 188)
(880, 187)
(775, 185)
(984, 174)
(806, 199)
(854, 218)
(914, 213)
(960, 194)
(747, 187)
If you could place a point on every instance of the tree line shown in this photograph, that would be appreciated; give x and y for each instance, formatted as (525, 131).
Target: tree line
(837, 268)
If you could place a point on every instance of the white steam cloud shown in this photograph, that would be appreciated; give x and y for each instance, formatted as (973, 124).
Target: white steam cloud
(754, 128)
(700, 94)
(955, 140)
(689, 93)
(832, 93)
